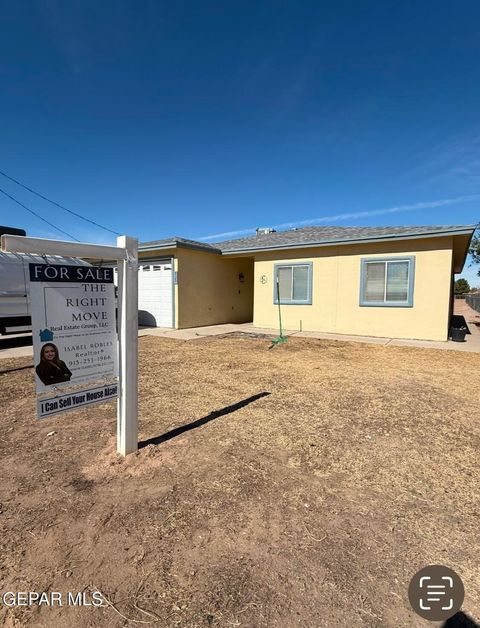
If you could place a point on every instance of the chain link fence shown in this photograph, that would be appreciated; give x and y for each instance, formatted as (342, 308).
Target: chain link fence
(473, 300)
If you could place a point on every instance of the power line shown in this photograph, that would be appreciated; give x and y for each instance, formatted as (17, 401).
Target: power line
(57, 204)
(38, 215)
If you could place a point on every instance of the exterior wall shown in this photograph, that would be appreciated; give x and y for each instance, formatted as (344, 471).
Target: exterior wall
(209, 291)
(336, 291)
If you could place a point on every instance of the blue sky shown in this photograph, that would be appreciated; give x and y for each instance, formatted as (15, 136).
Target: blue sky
(205, 118)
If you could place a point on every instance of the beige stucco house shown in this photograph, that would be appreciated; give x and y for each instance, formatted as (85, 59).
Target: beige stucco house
(387, 281)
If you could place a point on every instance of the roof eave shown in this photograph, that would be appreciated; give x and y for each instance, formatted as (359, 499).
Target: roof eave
(468, 244)
(177, 245)
(149, 247)
(383, 238)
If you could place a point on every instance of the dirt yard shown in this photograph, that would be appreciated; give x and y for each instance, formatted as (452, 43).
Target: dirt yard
(301, 486)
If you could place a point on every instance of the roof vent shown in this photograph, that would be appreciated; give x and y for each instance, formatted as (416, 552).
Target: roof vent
(265, 230)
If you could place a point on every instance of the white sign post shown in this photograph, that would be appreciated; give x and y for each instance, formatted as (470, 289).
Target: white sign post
(127, 412)
(126, 254)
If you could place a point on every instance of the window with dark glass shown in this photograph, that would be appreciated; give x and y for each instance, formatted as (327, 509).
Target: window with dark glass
(294, 283)
(387, 281)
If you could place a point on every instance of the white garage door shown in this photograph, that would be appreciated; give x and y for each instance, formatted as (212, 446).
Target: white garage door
(155, 293)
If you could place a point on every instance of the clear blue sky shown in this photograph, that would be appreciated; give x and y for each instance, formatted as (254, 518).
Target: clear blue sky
(202, 118)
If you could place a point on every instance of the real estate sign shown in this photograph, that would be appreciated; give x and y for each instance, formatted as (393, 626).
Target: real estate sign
(74, 333)
(72, 400)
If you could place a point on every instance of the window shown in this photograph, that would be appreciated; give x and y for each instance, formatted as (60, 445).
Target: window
(294, 284)
(387, 282)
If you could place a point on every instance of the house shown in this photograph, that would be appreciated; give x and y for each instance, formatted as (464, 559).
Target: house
(375, 281)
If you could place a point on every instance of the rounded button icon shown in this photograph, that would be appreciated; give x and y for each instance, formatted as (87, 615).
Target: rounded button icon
(436, 593)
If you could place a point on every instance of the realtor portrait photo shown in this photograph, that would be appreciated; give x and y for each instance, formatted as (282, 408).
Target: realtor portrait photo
(50, 369)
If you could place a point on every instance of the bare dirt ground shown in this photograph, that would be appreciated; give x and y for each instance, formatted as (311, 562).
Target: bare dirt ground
(301, 486)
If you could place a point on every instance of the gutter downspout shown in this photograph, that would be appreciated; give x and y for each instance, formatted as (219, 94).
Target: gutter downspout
(452, 296)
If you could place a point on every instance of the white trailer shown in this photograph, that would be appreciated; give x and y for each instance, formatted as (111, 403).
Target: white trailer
(15, 312)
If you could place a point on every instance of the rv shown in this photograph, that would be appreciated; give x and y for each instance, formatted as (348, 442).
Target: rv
(15, 313)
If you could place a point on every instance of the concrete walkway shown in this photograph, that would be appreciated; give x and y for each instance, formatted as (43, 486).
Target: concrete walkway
(471, 344)
(193, 333)
(20, 345)
(472, 319)
(16, 345)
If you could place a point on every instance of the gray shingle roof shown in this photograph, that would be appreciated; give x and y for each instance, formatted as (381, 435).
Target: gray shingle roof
(325, 235)
(308, 236)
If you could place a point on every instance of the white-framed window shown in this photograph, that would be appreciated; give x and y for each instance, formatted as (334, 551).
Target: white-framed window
(387, 282)
(293, 282)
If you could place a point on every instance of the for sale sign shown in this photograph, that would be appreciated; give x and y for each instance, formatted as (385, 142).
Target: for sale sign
(73, 325)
